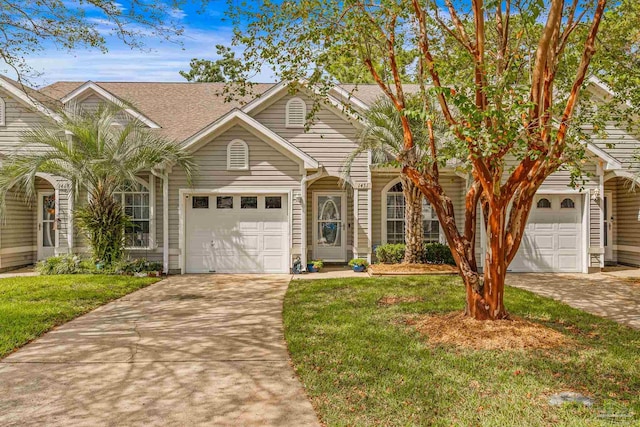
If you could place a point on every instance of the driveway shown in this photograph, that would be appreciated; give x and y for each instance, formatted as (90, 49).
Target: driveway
(614, 295)
(190, 350)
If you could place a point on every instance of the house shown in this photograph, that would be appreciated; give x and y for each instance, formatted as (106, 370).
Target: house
(268, 188)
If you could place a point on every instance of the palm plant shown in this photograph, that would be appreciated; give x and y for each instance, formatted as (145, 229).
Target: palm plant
(382, 135)
(96, 151)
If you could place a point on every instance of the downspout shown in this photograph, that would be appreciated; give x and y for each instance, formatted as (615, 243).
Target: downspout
(303, 227)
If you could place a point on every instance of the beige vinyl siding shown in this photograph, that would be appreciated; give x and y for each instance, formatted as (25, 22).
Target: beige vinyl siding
(328, 184)
(453, 185)
(268, 168)
(92, 102)
(18, 241)
(627, 223)
(619, 144)
(330, 138)
(19, 118)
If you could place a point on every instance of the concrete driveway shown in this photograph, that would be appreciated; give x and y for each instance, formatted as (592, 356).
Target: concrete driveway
(190, 350)
(614, 295)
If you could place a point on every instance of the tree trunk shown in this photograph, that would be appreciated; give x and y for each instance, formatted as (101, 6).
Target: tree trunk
(413, 227)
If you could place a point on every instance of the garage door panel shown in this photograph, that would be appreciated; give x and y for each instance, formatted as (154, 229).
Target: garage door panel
(237, 240)
(552, 240)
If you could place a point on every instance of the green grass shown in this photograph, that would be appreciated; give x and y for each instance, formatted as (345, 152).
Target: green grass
(360, 366)
(30, 306)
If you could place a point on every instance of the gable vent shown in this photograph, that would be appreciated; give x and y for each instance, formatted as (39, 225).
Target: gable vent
(238, 155)
(296, 113)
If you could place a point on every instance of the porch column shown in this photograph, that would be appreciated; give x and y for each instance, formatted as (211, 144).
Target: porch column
(303, 225)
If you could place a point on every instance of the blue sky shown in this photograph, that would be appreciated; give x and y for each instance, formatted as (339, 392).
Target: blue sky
(161, 61)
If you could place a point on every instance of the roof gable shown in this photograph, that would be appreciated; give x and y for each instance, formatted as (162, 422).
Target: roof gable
(238, 117)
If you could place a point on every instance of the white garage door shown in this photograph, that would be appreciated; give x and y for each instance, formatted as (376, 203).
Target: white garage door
(553, 237)
(237, 234)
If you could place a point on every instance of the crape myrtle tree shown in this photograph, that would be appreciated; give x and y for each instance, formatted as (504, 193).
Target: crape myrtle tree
(503, 80)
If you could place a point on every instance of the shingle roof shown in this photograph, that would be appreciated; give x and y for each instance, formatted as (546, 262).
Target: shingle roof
(181, 109)
(42, 98)
(370, 93)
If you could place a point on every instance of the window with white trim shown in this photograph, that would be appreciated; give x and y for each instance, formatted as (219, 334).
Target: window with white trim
(567, 204)
(395, 206)
(135, 200)
(3, 112)
(543, 203)
(237, 155)
(296, 113)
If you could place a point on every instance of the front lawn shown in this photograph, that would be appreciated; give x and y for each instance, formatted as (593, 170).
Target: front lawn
(30, 306)
(362, 364)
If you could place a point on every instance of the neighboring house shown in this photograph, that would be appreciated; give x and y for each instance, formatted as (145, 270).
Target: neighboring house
(268, 189)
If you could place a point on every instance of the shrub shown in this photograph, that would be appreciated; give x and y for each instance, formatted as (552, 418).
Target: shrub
(318, 264)
(390, 253)
(137, 266)
(63, 264)
(437, 253)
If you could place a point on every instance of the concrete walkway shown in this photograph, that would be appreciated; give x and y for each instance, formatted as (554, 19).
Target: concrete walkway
(190, 350)
(614, 295)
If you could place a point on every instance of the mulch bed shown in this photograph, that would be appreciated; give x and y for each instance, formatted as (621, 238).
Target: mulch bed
(460, 331)
(403, 269)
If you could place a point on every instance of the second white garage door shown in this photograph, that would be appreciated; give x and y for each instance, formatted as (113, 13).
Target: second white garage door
(553, 237)
(237, 234)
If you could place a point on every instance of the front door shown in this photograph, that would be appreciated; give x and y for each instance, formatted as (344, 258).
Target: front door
(329, 231)
(607, 224)
(46, 224)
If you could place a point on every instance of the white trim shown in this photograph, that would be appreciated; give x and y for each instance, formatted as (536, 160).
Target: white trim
(30, 101)
(621, 174)
(271, 93)
(91, 86)
(304, 183)
(287, 114)
(3, 112)
(554, 192)
(344, 220)
(610, 162)
(627, 248)
(70, 219)
(350, 98)
(356, 221)
(246, 155)
(183, 192)
(40, 248)
(238, 117)
(18, 249)
(586, 258)
(152, 212)
(165, 223)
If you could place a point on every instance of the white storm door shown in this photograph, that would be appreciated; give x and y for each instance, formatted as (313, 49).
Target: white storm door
(329, 230)
(46, 228)
(607, 224)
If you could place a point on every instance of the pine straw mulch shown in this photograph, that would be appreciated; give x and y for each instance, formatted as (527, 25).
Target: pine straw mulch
(390, 269)
(460, 331)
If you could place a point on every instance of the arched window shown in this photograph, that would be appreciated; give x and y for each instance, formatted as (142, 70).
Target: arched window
(3, 112)
(296, 113)
(567, 204)
(237, 155)
(136, 201)
(543, 204)
(394, 209)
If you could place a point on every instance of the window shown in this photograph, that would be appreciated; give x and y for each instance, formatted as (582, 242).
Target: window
(248, 202)
(543, 204)
(237, 155)
(567, 204)
(224, 202)
(135, 200)
(200, 202)
(296, 113)
(3, 112)
(273, 202)
(395, 205)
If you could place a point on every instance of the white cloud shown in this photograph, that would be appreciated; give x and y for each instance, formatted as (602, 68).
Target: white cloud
(160, 62)
(177, 13)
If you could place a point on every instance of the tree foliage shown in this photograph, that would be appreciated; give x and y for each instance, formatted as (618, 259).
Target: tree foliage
(506, 76)
(28, 26)
(225, 69)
